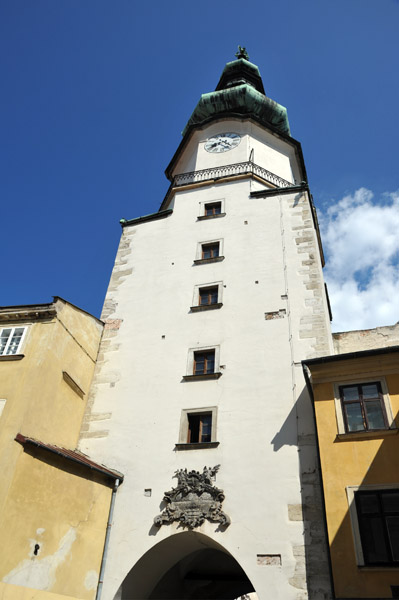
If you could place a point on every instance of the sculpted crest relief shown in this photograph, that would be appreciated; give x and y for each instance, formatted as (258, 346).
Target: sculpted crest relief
(194, 499)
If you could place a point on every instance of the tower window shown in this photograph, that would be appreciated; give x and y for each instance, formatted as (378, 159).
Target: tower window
(11, 340)
(210, 250)
(199, 428)
(212, 209)
(363, 407)
(378, 517)
(208, 296)
(204, 362)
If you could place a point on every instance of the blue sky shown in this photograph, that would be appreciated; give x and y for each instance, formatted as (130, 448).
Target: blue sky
(95, 94)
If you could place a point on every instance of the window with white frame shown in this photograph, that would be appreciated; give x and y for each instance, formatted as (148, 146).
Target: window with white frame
(211, 209)
(209, 251)
(203, 363)
(198, 426)
(374, 512)
(207, 296)
(11, 340)
(363, 406)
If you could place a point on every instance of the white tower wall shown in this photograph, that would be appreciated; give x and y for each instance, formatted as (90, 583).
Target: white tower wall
(274, 314)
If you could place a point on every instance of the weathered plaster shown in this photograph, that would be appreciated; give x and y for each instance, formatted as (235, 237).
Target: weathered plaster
(41, 573)
(365, 339)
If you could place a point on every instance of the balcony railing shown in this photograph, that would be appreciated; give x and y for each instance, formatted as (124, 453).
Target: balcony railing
(230, 170)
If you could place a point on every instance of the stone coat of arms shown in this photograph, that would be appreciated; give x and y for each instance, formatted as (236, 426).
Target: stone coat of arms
(194, 499)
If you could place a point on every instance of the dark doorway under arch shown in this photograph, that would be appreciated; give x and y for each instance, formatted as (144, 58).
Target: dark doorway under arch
(186, 566)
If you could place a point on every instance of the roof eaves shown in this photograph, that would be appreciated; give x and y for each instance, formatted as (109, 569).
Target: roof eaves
(70, 455)
(350, 355)
(161, 214)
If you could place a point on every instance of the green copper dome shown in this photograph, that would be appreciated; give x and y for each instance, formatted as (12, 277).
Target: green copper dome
(240, 92)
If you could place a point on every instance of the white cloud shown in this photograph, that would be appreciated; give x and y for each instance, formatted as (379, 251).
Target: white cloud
(361, 242)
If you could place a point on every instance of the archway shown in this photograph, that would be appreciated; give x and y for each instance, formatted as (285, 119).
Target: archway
(186, 565)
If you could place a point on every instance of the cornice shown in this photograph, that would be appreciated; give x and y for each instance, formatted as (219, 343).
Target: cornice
(28, 312)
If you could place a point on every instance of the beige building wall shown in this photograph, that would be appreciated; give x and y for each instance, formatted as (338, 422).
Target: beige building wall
(53, 511)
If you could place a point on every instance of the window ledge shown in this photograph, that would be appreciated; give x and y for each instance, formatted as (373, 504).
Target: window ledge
(201, 377)
(206, 307)
(360, 435)
(204, 217)
(11, 356)
(204, 261)
(196, 445)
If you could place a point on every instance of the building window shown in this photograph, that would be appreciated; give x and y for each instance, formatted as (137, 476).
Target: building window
(210, 250)
(363, 407)
(204, 362)
(11, 340)
(208, 295)
(210, 210)
(213, 208)
(378, 520)
(198, 428)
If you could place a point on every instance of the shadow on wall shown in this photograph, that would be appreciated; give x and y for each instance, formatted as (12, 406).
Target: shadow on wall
(380, 521)
(313, 569)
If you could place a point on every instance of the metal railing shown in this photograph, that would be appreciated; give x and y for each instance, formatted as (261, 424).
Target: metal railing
(228, 171)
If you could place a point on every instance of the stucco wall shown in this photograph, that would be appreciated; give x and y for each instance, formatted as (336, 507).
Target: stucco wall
(41, 501)
(354, 461)
(267, 446)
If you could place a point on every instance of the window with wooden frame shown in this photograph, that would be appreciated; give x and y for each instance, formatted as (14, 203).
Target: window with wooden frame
(378, 520)
(210, 250)
(363, 407)
(213, 208)
(11, 340)
(199, 427)
(204, 362)
(208, 295)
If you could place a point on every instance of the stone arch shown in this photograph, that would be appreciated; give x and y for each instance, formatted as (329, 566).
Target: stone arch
(187, 565)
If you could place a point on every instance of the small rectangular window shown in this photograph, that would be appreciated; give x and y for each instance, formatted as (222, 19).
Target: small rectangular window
(208, 295)
(199, 428)
(378, 517)
(363, 407)
(210, 250)
(204, 362)
(10, 340)
(212, 209)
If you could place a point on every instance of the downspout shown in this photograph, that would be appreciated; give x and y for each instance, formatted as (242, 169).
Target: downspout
(107, 536)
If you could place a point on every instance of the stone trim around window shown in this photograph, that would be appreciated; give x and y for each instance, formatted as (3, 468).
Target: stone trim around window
(183, 444)
(191, 376)
(196, 306)
(342, 433)
(350, 493)
(208, 203)
(200, 259)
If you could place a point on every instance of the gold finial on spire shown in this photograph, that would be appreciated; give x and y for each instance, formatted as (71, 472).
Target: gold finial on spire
(242, 53)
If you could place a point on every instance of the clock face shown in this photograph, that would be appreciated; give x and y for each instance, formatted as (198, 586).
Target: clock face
(222, 142)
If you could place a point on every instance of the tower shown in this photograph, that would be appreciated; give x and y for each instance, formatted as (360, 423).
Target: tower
(212, 304)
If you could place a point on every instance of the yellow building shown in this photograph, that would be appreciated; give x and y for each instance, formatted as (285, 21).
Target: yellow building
(356, 402)
(54, 501)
